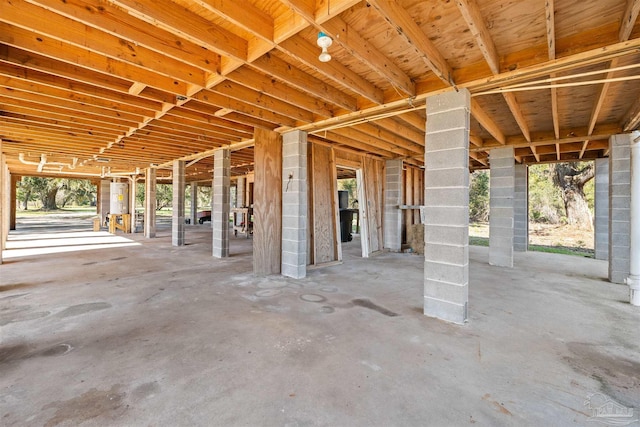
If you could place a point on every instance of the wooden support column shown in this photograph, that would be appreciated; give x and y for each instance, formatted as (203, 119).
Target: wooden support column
(267, 203)
(2, 196)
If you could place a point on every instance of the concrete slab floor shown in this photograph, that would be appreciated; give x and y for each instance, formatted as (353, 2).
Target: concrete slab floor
(152, 334)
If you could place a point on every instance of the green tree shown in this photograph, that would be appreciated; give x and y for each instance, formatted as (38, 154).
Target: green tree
(545, 202)
(46, 189)
(479, 196)
(350, 185)
(571, 178)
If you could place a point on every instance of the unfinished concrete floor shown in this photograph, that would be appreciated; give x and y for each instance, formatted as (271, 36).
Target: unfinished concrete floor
(150, 334)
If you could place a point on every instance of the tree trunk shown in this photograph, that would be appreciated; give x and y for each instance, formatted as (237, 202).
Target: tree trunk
(25, 203)
(49, 200)
(571, 178)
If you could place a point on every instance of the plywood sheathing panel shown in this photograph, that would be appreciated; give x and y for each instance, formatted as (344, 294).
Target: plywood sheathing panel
(267, 203)
(324, 217)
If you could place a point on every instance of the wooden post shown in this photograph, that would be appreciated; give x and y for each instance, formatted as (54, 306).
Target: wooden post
(267, 203)
(13, 201)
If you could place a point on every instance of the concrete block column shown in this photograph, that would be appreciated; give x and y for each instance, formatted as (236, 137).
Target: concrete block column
(446, 234)
(294, 204)
(619, 207)
(193, 215)
(220, 200)
(501, 211)
(634, 251)
(601, 202)
(150, 203)
(177, 219)
(521, 209)
(392, 198)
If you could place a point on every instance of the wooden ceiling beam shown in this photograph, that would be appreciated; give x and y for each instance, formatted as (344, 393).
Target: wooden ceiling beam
(115, 21)
(276, 67)
(486, 122)
(262, 100)
(39, 109)
(72, 73)
(601, 132)
(550, 20)
(223, 101)
(631, 119)
(406, 27)
(305, 52)
(174, 18)
(25, 15)
(358, 135)
(243, 14)
(406, 132)
(223, 132)
(368, 54)
(98, 98)
(471, 14)
(272, 87)
(354, 143)
(71, 119)
(68, 105)
(62, 51)
(382, 134)
(196, 118)
(629, 19)
(37, 121)
(176, 130)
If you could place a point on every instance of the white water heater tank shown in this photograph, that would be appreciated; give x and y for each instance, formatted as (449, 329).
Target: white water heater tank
(119, 198)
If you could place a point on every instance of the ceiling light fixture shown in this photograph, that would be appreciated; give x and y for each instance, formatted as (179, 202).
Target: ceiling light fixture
(324, 41)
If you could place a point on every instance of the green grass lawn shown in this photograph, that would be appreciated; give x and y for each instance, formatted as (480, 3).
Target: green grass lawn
(563, 250)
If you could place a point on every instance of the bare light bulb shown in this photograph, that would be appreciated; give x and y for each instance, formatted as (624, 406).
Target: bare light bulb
(324, 56)
(324, 41)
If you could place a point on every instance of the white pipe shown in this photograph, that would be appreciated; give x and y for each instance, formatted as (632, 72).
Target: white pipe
(634, 251)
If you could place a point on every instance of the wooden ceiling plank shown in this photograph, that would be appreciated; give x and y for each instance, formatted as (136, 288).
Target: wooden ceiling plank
(406, 27)
(629, 19)
(181, 21)
(305, 52)
(355, 143)
(58, 50)
(471, 14)
(268, 85)
(262, 100)
(170, 128)
(274, 66)
(486, 122)
(25, 15)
